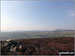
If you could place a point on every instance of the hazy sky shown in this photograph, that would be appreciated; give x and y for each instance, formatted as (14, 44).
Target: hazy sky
(37, 15)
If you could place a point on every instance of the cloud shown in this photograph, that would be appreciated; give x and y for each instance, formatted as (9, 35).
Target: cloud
(72, 14)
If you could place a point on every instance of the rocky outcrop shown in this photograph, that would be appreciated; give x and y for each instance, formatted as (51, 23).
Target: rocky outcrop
(11, 46)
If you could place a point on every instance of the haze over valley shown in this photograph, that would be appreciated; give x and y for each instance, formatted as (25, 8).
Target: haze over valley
(36, 34)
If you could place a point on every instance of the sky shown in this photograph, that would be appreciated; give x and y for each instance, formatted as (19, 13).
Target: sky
(37, 15)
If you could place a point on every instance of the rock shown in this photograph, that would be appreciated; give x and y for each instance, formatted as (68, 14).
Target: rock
(13, 49)
(8, 40)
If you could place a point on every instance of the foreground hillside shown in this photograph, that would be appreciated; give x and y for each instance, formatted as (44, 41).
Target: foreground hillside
(40, 46)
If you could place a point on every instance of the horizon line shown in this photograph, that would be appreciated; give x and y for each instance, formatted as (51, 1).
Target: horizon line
(36, 30)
